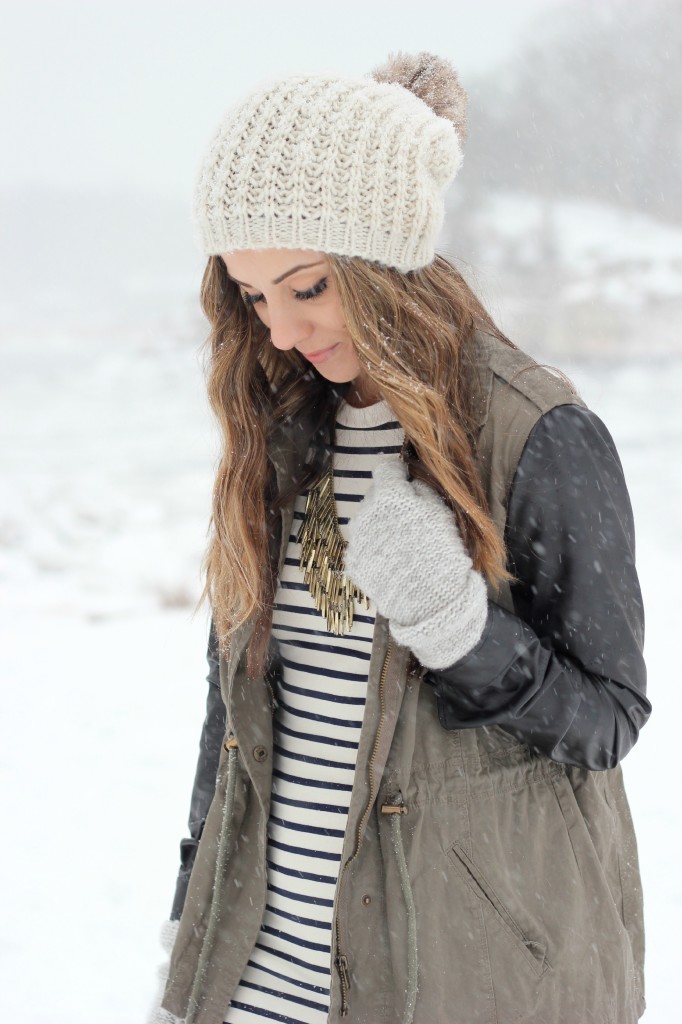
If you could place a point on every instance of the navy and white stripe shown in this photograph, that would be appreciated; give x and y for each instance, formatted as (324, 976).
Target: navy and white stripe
(317, 732)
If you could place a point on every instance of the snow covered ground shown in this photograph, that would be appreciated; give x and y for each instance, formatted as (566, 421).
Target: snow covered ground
(106, 457)
(613, 255)
(572, 275)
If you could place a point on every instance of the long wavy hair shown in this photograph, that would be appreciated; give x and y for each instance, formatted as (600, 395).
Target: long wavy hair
(413, 336)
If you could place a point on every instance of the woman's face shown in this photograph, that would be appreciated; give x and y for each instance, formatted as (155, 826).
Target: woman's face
(293, 293)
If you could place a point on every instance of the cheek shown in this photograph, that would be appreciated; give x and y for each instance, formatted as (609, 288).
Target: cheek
(350, 357)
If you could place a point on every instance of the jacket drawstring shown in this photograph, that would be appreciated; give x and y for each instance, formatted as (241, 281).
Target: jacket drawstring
(221, 858)
(396, 811)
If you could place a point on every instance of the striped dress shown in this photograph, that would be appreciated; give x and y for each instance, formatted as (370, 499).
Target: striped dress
(317, 730)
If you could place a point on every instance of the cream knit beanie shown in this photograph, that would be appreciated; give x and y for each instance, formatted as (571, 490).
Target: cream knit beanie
(349, 166)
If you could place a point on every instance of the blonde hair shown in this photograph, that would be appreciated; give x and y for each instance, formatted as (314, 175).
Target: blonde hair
(413, 335)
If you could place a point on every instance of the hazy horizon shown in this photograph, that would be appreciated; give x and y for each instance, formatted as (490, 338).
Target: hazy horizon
(125, 96)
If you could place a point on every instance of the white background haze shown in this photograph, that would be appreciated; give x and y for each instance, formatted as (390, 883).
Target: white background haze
(107, 448)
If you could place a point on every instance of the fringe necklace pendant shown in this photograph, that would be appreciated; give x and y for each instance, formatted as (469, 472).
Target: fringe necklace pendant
(322, 548)
(321, 562)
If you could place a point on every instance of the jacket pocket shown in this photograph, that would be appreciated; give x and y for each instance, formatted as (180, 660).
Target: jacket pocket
(533, 952)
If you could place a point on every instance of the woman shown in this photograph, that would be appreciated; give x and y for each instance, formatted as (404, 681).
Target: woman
(426, 648)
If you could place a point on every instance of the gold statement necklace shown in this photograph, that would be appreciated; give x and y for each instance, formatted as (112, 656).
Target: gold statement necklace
(322, 549)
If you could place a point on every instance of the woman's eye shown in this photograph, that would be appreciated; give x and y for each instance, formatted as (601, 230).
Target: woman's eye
(317, 289)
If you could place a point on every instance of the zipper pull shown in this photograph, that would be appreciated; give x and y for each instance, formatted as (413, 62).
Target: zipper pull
(400, 808)
(341, 963)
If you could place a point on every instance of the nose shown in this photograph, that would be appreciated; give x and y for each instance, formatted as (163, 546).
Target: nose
(288, 328)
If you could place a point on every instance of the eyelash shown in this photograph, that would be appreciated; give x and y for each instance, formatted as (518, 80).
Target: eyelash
(311, 293)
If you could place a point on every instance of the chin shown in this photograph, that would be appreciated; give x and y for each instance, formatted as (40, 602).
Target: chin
(337, 376)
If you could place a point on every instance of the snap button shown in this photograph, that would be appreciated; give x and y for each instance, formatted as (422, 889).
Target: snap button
(260, 754)
(366, 900)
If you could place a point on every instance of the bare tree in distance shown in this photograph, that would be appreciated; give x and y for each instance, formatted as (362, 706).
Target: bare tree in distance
(589, 107)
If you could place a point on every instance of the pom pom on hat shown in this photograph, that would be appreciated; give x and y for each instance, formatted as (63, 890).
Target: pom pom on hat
(433, 79)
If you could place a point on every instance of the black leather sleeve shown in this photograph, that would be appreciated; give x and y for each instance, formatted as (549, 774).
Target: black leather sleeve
(212, 735)
(565, 673)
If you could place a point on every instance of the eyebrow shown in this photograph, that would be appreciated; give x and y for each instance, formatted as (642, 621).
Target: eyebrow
(282, 277)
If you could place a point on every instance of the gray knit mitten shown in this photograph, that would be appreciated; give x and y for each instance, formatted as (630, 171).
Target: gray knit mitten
(157, 1015)
(406, 553)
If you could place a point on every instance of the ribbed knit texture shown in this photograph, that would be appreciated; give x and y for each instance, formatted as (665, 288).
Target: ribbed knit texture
(317, 732)
(348, 166)
(405, 551)
(169, 931)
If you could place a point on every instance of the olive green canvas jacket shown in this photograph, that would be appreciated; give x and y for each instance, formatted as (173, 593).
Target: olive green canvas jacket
(481, 880)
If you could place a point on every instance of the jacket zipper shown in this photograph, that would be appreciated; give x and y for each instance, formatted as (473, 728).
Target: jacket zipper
(273, 699)
(340, 958)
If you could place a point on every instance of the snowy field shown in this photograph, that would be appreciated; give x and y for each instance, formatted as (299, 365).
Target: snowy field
(572, 274)
(106, 457)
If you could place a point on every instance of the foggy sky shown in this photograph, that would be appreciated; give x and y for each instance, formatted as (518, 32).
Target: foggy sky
(126, 94)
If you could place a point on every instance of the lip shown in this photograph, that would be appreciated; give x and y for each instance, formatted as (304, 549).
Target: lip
(319, 357)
